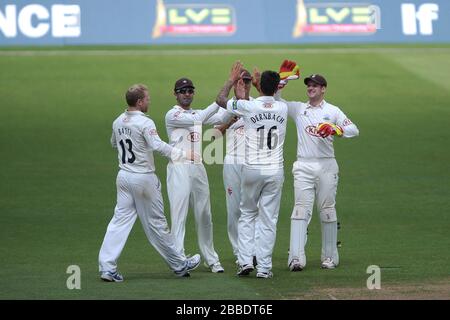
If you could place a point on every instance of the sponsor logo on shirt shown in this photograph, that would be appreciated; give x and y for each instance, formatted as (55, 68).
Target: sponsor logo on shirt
(193, 136)
(239, 130)
(346, 122)
(153, 132)
(312, 131)
(176, 114)
(267, 105)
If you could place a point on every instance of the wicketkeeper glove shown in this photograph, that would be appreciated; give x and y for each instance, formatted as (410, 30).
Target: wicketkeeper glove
(281, 84)
(326, 129)
(289, 70)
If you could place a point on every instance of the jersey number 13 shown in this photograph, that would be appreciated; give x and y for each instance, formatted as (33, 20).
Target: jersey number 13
(129, 151)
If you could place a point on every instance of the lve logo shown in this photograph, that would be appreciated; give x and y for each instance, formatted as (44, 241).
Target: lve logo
(425, 15)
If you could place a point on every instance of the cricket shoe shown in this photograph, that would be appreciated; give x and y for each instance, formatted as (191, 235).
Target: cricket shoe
(295, 265)
(328, 263)
(109, 276)
(216, 267)
(191, 263)
(245, 270)
(264, 275)
(255, 262)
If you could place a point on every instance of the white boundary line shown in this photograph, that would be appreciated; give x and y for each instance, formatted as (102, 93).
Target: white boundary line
(218, 52)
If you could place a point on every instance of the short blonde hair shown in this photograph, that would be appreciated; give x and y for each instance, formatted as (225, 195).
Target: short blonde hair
(134, 93)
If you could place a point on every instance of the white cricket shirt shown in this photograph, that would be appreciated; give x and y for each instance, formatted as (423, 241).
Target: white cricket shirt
(265, 123)
(309, 143)
(135, 137)
(235, 138)
(184, 127)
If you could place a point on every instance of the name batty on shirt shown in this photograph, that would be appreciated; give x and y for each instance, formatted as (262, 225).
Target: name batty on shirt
(125, 131)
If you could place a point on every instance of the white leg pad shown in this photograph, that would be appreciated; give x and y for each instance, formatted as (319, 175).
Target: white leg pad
(329, 239)
(298, 241)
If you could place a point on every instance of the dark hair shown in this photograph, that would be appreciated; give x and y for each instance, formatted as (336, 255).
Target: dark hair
(269, 82)
(134, 93)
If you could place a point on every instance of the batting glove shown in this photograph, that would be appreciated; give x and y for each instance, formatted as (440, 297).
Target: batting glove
(289, 70)
(326, 129)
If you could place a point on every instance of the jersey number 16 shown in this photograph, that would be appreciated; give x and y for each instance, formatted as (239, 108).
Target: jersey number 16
(270, 136)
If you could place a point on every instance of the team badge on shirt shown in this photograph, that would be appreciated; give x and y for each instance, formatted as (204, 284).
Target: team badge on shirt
(346, 122)
(239, 130)
(176, 114)
(193, 136)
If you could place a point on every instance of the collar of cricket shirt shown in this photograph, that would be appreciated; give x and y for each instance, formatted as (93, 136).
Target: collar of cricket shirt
(320, 105)
(249, 98)
(266, 98)
(134, 112)
(183, 110)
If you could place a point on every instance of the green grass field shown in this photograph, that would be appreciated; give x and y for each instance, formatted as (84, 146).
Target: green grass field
(57, 190)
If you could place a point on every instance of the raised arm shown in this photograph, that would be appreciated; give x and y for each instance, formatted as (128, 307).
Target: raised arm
(256, 79)
(289, 70)
(182, 119)
(293, 106)
(222, 116)
(235, 74)
(224, 126)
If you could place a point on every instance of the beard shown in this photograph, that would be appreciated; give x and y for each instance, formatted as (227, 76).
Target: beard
(186, 101)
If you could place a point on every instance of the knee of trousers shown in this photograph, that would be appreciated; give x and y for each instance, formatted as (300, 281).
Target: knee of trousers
(301, 212)
(328, 215)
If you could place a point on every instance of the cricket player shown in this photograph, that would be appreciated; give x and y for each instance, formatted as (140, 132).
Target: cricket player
(139, 189)
(316, 170)
(262, 174)
(187, 182)
(233, 162)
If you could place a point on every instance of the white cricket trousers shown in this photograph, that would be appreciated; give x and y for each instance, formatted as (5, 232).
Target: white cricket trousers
(232, 174)
(187, 184)
(232, 179)
(260, 199)
(315, 179)
(138, 194)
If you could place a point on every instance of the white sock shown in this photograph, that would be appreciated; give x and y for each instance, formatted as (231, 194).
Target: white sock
(329, 239)
(298, 240)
